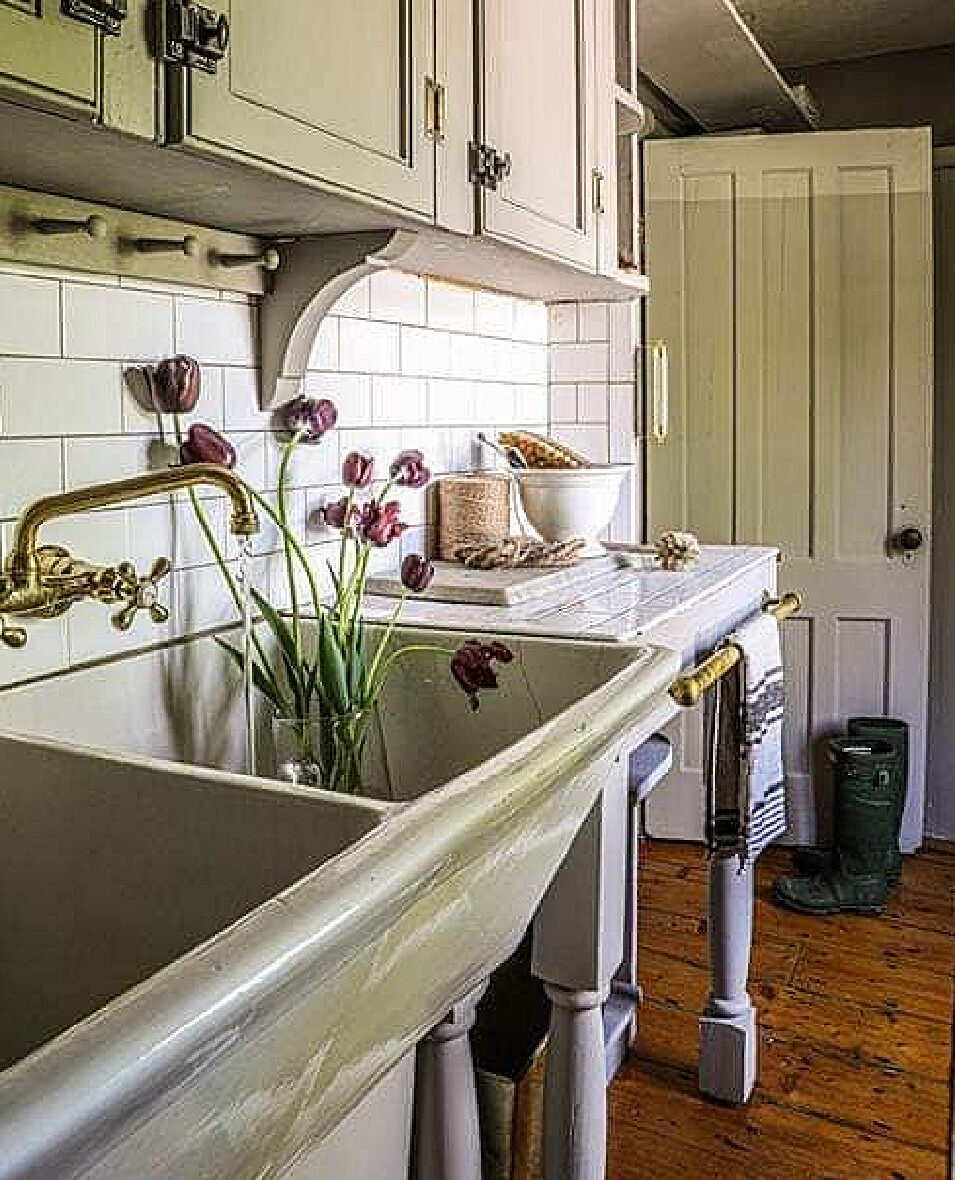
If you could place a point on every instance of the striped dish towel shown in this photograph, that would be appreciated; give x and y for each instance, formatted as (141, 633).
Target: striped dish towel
(745, 781)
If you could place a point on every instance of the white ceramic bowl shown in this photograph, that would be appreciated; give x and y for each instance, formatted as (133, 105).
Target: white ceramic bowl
(566, 502)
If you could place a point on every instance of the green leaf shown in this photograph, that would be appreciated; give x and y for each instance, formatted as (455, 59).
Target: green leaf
(262, 682)
(334, 678)
(283, 634)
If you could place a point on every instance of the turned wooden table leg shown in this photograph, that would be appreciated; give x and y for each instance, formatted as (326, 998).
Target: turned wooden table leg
(728, 1023)
(575, 1087)
(447, 1142)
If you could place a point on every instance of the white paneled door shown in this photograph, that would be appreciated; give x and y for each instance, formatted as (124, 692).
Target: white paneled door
(792, 280)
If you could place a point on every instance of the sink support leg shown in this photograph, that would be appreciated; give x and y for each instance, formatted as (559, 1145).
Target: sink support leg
(575, 1087)
(728, 1023)
(447, 1143)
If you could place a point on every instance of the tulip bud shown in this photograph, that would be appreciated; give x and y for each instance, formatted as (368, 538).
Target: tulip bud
(309, 417)
(336, 514)
(416, 573)
(471, 666)
(202, 444)
(357, 470)
(174, 385)
(409, 470)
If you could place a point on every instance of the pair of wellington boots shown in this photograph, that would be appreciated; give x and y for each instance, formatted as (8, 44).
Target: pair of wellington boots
(870, 773)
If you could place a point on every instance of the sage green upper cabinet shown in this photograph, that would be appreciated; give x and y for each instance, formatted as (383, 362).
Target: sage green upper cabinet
(47, 58)
(537, 111)
(323, 91)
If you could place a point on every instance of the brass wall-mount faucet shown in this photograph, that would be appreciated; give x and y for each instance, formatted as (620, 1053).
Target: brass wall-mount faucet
(43, 582)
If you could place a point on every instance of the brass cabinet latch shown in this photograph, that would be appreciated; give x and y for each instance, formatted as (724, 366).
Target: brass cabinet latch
(192, 35)
(597, 179)
(435, 110)
(487, 166)
(107, 15)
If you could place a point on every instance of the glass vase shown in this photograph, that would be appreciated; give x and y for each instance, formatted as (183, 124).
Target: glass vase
(325, 751)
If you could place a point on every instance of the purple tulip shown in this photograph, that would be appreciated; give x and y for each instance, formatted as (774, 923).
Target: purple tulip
(202, 444)
(310, 417)
(409, 469)
(357, 469)
(379, 524)
(336, 515)
(472, 666)
(174, 385)
(416, 573)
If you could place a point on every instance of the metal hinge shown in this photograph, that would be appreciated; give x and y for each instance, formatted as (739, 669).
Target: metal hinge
(435, 110)
(487, 166)
(107, 15)
(192, 35)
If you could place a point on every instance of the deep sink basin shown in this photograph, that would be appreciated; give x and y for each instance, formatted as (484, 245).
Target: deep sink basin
(219, 968)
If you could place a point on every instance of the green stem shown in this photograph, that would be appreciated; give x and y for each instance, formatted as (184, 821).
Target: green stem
(397, 655)
(287, 453)
(220, 561)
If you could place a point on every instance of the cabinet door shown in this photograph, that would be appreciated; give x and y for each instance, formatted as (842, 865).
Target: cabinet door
(329, 91)
(538, 106)
(47, 57)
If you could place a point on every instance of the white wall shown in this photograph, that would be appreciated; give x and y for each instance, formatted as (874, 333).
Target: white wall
(408, 361)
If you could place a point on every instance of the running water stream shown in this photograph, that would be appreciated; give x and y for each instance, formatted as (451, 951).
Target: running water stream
(245, 590)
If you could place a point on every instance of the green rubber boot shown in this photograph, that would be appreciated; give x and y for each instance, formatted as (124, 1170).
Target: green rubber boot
(865, 832)
(896, 733)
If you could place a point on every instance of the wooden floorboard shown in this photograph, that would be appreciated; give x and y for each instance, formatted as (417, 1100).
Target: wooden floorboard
(855, 1047)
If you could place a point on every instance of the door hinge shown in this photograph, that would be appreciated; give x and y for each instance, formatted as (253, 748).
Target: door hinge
(487, 166)
(107, 15)
(597, 179)
(435, 110)
(192, 35)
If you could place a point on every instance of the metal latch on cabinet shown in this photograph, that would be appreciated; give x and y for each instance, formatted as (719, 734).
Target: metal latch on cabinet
(107, 15)
(192, 35)
(487, 166)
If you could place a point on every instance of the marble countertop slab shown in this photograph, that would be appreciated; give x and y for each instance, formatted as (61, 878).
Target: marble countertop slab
(617, 605)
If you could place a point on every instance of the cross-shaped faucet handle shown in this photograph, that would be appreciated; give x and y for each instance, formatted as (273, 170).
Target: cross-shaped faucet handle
(141, 593)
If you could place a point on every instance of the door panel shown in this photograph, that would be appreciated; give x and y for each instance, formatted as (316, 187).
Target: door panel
(539, 106)
(792, 279)
(331, 91)
(48, 56)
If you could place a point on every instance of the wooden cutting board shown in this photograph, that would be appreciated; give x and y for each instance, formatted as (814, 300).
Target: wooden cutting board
(509, 587)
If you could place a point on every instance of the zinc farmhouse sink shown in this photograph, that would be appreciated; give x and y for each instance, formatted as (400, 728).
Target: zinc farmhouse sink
(206, 974)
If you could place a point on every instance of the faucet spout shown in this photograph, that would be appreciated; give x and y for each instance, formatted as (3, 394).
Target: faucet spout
(23, 566)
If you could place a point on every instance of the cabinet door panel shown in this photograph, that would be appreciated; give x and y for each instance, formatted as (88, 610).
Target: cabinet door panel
(328, 90)
(538, 106)
(47, 56)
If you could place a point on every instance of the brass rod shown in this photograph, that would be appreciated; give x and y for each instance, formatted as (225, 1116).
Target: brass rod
(688, 690)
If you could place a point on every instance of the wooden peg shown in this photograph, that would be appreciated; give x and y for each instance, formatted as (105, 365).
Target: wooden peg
(189, 246)
(93, 226)
(269, 260)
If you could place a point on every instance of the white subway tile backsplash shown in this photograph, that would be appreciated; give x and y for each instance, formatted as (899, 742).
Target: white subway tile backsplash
(624, 322)
(396, 400)
(562, 323)
(408, 361)
(589, 440)
(116, 323)
(592, 403)
(450, 307)
(563, 403)
(623, 423)
(578, 362)
(217, 331)
(240, 395)
(351, 393)
(450, 403)
(368, 347)
(29, 316)
(396, 296)
(47, 397)
(31, 467)
(425, 353)
(493, 314)
(98, 460)
(592, 321)
(326, 348)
